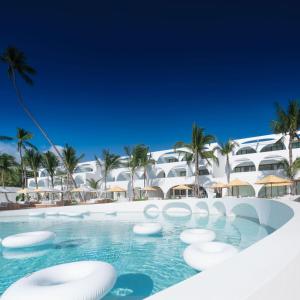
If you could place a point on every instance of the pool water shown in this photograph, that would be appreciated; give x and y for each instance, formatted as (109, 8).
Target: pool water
(145, 265)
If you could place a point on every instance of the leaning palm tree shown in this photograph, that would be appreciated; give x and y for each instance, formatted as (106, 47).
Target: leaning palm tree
(197, 150)
(71, 161)
(108, 163)
(8, 165)
(50, 162)
(22, 139)
(133, 163)
(145, 160)
(16, 62)
(291, 170)
(288, 123)
(226, 149)
(33, 160)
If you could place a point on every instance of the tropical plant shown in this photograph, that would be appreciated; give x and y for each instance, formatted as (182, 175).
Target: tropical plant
(93, 183)
(145, 160)
(133, 163)
(16, 62)
(8, 166)
(226, 149)
(50, 162)
(22, 139)
(71, 161)
(288, 123)
(195, 151)
(33, 160)
(109, 162)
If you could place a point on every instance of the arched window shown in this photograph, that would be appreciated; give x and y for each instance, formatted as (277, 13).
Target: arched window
(273, 147)
(245, 150)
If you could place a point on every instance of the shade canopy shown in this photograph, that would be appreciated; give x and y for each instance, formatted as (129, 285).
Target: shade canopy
(149, 189)
(116, 189)
(219, 185)
(82, 189)
(25, 191)
(182, 187)
(272, 179)
(238, 182)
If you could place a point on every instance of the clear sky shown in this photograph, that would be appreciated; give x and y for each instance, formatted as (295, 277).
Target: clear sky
(115, 73)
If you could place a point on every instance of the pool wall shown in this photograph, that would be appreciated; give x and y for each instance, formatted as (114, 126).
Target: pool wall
(269, 269)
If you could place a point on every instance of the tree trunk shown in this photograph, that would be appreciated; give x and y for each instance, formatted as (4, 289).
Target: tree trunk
(196, 186)
(36, 123)
(22, 168)
(105, 188)
(132, 186)
(291, 161)
(228, 173)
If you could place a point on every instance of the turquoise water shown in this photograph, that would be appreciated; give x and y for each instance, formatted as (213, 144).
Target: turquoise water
(145, 265)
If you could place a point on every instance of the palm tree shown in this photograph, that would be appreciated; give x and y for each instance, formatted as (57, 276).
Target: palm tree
(71, 161)
(197, 150)
(226, 149)
(145, 160)
(22, 139)
(93, 183)
(109, 162)
(16, 62)
(50, 162)
(133, 163)
(33, 160)
(288, 123)
(8, 165)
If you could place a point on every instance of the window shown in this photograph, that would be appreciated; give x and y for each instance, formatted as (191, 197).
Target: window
(245, 151)
(271, 167)
(273, 147)
(203, 172)
(244, 169)
(296, 144)
(170, 160)
(182, 173)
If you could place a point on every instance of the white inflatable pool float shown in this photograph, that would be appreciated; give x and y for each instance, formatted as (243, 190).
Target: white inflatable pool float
(83, 280)
(147, 228)
(178, 212)
(52, 213)
(37, 214)
(111, 213)
(72, 214)
(28, 239)
(201, 256)
(202, 212)
(190, 236)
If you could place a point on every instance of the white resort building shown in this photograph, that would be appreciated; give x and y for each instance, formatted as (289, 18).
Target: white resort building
(252, 159)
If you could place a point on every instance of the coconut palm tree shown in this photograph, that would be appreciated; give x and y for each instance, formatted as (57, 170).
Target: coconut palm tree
(71, 161)
(16, 62)
(50, 162)
(33, 160)
(145, 160)
(108, 163)
(8, 165)
(288, 123)
(22, 139)
(133, 163)
(226, 149)
(197, 150)
(93, 183)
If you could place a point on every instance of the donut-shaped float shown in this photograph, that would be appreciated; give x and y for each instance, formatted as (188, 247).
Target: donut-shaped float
(37, 214)
(72, 214)
(52, 213)
(28, 239)
(83, 280)
(111, 213)
(147, 228)
(201, 256)
(190, 236)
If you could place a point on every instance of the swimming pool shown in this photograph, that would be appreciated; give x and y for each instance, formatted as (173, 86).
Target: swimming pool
(145, 264)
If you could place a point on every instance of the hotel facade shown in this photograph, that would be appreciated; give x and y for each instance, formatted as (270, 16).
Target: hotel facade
(252, 159)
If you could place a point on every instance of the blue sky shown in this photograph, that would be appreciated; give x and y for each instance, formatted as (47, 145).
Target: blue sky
(115, 73)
